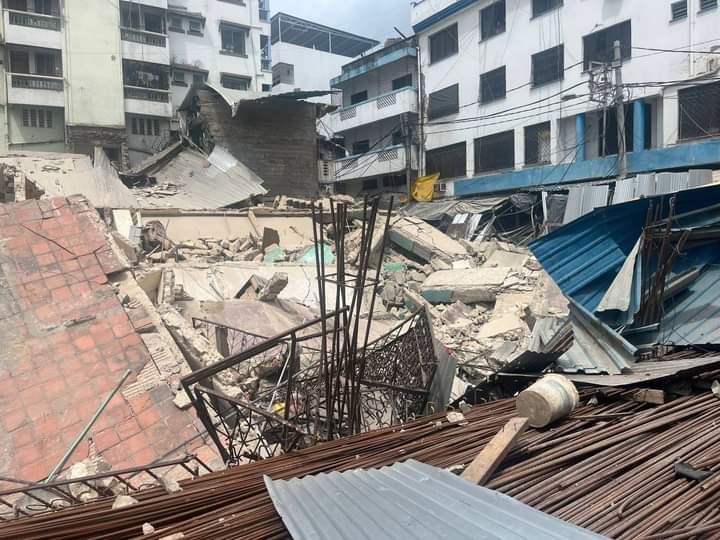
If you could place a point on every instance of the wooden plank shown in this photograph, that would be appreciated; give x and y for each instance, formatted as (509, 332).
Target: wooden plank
(649, 395)
(485, 463)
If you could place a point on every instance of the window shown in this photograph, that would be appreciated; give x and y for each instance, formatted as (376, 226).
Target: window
(449, 161)
(370, 184)
(19, 62)
(33, 117)
(26, 118)
(402, 82)
(235, 82)
(599, 46)
(179, 78)
(492, 20)
(679, 10)
(195, 27)
(176, 24)
(358, 98)
(700, 111)
(537, 144)
(141, 124)
(394, 181)
(45, 64)
(548, 66)
(37, 118)
(134, 126)
(444, 43)
(154, 22)
(397, 137)
(492, 85)
(444, 102)
(233, 40)
(361, 147)
(41, 118)
(608, 138)
(17, 5)
(495, 152)
(541, 6)
(267, 87)
(46, 7)
(156, 127)
(199, 78)
(708, 4)
(48, 118)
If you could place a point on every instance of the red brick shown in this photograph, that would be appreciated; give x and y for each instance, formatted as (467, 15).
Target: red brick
(34, 394)
(71, 265)
(47, 314)
(80, 289)
(122, 329)
(140, 403)
(47, 372)
(36, 411)
(81, 452)
(40, 247)
(35, 471)
(90, 358)
(61, 294)
(117, 363)
(110, 349)
(48, 427)
(131, 341)
(46, 260)
(7, 387)
(14, 419)
(148, 417)
(84, 343)
(69, 417)
(105, 336)
(144, 457)
(23, 436)
(55, 282)
(27, 455)
(55, 388)
(128, 428)
(105, 439)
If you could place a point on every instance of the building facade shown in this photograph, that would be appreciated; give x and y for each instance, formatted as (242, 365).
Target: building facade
(375, 126)
(524, 93)
(306, 55)
(80, 74)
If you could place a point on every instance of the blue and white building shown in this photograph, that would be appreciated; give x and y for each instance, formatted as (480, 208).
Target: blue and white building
(509, 99)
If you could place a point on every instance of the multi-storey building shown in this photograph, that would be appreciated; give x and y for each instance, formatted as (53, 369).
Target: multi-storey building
(377, 121)
(306, 55)
(80, 74)
(510, 102)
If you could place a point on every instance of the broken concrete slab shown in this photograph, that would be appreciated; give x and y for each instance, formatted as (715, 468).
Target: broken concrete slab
(469, 286)
(273, 287)
(425, 241)
(499, 326)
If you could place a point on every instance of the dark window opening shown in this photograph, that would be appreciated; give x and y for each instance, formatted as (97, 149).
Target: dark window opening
(17, 5)
(46, 64)
(179, 78)
(537, 144)
(46, 7)
(449, 161)
(41, 118)
(199, 78)
(679, 10)
(548, 66)
(394, 181)
(195, 27)
(134, 128)
(492, 85)
(444, 43)
(156, 127)
(48, 118)
(267, 87)
(141, 123)
(397, 137)
(361, 147)
(370, 184)
(599, 46)
(444, 102)
(608, 138)
(130, 15)
(708, 4)
(495, 152)
(235, 82)
(541, 6)
(176, 24)
(33, 117)
(402, 82)
(154, 23)
(700, 111)
(19, 62)
(492, 20)
(358, 98)
(142, 75)
(233, 40)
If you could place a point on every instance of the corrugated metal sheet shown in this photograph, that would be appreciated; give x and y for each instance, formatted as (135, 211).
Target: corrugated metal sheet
(670, 182)
(625, 190)
(699, 177)
(408, 501)
(645, 185)
(201, 182)
(583, 200)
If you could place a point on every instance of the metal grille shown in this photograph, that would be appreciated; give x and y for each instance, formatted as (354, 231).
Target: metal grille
(138, 36)
(34, 21)
(146, 94)
(386, 101)
(347, 114)
(37, 83)
(389, 155)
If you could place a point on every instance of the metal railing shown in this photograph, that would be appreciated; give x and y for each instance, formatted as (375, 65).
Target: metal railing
(265, 64)
(34, 20)
(264, 14)
(147, 94)
(37, 82)
(142, 36)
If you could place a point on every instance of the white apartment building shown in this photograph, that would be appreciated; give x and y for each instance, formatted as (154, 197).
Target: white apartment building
(80, 73)
(306, 55)
(376, 122)
(508, 96)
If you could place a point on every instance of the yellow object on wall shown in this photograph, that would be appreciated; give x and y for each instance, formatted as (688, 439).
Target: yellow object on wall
(424, 187)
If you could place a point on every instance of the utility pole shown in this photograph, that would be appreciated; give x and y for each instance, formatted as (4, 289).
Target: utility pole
(620, 108)
(407, 136)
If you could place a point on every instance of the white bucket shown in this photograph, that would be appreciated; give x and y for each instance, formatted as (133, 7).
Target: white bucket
(548, 399)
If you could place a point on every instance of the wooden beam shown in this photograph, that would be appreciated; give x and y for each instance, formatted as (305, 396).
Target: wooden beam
(649, 395)
(485, 463)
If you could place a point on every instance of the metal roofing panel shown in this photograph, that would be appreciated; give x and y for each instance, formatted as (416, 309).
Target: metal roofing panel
(699, 177)
(625, 190)
(645, 185)
(670, 182)
(408, 500)
(573, 207)
(583, 200)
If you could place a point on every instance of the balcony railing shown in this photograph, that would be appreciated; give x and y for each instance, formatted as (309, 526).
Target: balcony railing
(34, 20)
(266, 64)
(37, 82)
(264, 14)
(141, 36)
(147, 94)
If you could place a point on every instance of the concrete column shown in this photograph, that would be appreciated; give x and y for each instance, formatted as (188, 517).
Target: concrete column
(580, 137)
(520, 148)
(669, 115)
(638, 125)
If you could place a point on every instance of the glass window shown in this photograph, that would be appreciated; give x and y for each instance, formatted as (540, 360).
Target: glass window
(444, 102)
(235, 82)
(449, 161)
(444, 43)
(233, 39)
(358, 97)
(492, 85)
(402, 82)
(495, 152)
(492, 20)
(537, 144)
(541, 6)
(548, 66)
(599, 46)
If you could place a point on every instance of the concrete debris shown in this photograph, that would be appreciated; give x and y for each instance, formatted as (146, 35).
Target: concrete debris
(147, 529)
(123, 501)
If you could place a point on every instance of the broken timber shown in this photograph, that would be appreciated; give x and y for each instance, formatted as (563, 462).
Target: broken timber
(485, 463)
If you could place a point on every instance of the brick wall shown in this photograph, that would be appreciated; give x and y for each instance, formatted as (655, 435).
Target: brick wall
(277, 140)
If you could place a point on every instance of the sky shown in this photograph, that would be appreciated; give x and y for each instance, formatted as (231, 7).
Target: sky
(371, 18)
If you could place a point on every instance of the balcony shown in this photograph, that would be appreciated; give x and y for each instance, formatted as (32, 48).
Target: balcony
(147, 101)
(264, 14)
(27, 89)
(141, 45)
(143, 37)
(374, 110)
(382, 162)
(266, 64)
(33, 29)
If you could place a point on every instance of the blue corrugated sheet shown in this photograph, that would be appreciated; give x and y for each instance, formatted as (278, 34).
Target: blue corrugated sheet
(408, 501)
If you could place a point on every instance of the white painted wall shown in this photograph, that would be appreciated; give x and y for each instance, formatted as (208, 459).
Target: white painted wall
(379, 81)
(21, 135)
(204, 51)
(313, 68)
(36, 37)
(146, 53)
(651, 27)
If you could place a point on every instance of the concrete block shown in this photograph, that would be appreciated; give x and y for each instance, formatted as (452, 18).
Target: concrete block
(499, 326)
(469, 286)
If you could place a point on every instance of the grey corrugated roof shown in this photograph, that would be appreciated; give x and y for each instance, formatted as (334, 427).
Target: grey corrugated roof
(216, 181)
(410, 501)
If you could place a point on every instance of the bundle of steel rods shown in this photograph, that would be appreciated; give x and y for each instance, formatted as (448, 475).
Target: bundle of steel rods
(609, 467)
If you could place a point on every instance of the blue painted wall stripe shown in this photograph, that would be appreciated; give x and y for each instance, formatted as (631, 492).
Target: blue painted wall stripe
(638, 124)
(580, 137)
(442, 14)
(379, 62)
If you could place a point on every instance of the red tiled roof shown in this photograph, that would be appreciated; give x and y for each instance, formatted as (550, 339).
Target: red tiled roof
(65, 343)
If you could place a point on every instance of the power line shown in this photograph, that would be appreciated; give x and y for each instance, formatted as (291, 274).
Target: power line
(675, 50)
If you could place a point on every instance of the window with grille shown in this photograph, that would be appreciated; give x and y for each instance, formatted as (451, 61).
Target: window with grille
(537, 144)
(492, 20)
(361, 147)
(495, 152)
(548, 66)
(708, 4)
(402, 82)
(233, 39)
(37, 118)
(195, 27)
(679, 10)
(541, 6)
(444, 102)
(444, 43)
(600, 46)
(450, 161)
(492, 85)
(176, 24)
(700, 111)
(179, 78)
(235, 82)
